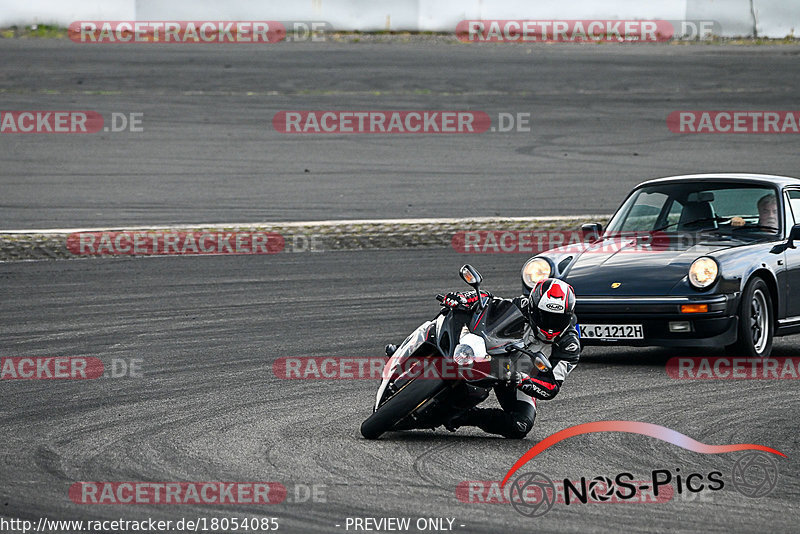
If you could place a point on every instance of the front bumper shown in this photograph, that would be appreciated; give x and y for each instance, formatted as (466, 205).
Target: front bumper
(715, 328)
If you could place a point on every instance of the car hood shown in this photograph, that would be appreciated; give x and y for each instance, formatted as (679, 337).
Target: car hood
(638, 272)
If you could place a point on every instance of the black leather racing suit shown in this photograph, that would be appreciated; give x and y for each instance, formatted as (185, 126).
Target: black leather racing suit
(518, 404)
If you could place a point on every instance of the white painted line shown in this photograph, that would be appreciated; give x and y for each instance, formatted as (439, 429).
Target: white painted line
(300, 224)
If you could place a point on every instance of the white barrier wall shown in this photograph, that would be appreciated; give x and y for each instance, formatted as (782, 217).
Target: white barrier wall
(424, 15)
(443, 15)
(778, 18)
(62, 12)
(733, 15)
(341, 14)
(771, 18)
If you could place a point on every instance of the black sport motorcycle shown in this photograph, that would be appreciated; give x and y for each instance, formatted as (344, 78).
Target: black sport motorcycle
(451, 363)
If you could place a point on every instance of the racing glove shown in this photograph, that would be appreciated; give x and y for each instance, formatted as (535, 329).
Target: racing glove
(472, 297)
(455, 301)
(462, 301)
(543, 386)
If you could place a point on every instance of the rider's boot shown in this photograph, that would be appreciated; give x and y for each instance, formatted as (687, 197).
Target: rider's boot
(493, 421)
(460, 419)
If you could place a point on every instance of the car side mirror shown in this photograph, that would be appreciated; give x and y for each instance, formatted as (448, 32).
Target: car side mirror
(592, 231)
(794, 234)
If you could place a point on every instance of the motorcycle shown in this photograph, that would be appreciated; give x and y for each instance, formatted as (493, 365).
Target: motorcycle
(450, 364)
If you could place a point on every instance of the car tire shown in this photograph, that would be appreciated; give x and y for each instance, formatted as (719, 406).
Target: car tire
(756, 322)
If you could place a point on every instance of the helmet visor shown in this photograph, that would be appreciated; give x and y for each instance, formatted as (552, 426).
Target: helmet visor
(554, 322)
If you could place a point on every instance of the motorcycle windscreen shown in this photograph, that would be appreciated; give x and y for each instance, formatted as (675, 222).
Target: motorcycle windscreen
(413, 342)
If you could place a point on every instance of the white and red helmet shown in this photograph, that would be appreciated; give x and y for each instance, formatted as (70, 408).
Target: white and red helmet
(551, 307)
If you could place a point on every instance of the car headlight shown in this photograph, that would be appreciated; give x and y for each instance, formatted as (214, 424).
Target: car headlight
(534, 270)
(703, 272)
(463, 355)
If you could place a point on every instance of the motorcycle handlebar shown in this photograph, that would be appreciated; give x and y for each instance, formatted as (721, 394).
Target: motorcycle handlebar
(535, 355)
(440, 297)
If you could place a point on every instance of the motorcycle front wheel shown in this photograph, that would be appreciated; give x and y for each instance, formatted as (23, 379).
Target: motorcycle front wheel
(401, 405)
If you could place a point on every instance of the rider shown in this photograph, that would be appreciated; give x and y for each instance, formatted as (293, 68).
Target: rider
(550, 320)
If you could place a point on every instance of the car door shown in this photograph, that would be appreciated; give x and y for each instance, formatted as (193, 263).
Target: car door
(793, 257)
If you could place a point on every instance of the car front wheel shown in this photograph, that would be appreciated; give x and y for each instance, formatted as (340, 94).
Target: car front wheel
(756, 322)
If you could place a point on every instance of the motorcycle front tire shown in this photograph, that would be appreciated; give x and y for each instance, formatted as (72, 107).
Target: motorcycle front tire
(401, 405)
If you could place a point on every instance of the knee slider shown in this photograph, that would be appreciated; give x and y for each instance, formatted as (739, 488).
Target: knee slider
(522, 425)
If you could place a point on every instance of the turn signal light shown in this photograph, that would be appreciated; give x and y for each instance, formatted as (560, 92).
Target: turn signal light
(694, 308)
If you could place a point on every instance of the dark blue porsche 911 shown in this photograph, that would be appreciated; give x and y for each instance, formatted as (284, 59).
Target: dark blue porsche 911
(705, 260)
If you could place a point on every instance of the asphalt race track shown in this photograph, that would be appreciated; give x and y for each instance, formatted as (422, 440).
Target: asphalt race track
(208, 152)
(204, 331)
(208, 406)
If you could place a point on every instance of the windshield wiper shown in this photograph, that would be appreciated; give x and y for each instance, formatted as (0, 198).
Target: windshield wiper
(771, 229)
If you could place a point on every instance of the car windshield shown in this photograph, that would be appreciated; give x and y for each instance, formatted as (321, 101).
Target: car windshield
(725, 208)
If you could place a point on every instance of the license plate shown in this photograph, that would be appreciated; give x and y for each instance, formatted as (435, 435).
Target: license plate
(612, 331)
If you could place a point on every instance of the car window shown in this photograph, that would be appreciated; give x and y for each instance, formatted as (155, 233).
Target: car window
(794, 202)
(746, 209)
(741, 202)
(644, 212)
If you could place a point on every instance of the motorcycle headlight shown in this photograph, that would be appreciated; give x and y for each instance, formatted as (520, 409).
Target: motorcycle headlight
(463, 355)
(534, 270)
(703, 272)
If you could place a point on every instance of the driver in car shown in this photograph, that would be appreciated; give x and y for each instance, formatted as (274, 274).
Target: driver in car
(767, 213)
(550, 321)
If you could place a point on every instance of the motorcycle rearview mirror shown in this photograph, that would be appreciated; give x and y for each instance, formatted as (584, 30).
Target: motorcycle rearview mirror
(470, 275)
(542, 363)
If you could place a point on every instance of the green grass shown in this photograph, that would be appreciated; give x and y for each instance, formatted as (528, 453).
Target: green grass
(34, 31)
